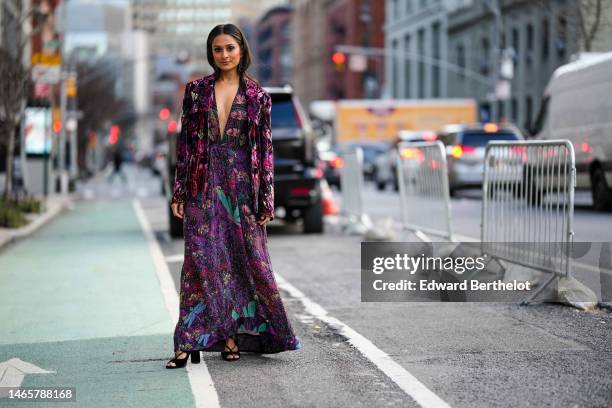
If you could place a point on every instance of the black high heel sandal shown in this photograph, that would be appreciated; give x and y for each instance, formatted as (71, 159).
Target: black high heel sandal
(232, 352)
(181, 362)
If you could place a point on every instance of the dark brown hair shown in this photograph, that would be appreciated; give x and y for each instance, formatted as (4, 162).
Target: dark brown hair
(245, 59)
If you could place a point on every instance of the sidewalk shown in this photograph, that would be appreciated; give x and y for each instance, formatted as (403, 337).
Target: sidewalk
(55, 204)
(81, 298)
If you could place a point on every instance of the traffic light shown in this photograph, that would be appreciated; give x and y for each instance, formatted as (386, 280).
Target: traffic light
(113, 137)
(339, 59)
(164, 114)
(172, 126)
(71, 88)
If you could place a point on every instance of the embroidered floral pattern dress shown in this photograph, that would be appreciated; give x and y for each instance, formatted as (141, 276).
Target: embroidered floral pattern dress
(227, 284)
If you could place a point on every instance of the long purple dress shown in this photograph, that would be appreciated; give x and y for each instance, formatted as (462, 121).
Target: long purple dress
(227, 284)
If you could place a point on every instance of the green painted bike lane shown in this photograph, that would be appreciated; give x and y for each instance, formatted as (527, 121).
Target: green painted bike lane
(81, 298)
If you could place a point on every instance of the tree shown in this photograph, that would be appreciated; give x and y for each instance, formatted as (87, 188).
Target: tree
(98, 102)
(15, 83)
(588, 18)
(591, 19)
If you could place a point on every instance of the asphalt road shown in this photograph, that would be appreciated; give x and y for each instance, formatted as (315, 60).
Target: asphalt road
(468, 354)
(371, 354)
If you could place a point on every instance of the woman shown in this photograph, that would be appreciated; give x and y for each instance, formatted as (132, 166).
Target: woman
(224, 192)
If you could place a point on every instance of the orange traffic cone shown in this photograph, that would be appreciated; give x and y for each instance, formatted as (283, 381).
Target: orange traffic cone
(329, 204)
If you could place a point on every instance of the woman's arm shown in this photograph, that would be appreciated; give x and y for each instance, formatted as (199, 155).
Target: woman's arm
(266, 186)
(182, 151)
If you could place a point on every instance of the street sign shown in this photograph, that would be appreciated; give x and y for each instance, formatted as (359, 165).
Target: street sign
(46, 59)
(41, 90)
(358, 63)
(71, 125)
(46, 74)
(503, 90)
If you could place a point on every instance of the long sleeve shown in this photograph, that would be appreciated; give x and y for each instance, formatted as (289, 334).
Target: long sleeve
(266, 187)
(179, 194)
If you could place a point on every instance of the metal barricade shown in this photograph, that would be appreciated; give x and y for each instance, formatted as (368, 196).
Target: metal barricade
(351, 181)
(528, 204)
(423, 187)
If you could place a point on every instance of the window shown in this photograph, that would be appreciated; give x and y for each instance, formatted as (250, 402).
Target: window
(421, 52)
(436, 54)
(529, 53)
(407, 66)
(408, 7)
(394, 69)
(500, 110)
(561, 37)
(514, 110)
(461, 59)
(528, 111)
(545, 39)
(284, 114)
(485, 56)
(481, 138)
(515, 44)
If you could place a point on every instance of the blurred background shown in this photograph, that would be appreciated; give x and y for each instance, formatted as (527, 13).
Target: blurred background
(89, 83)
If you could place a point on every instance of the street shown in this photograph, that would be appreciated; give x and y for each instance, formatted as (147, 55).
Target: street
(386, 203)
(99, 319)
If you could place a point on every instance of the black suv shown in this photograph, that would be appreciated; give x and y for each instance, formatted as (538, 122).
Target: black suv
(297, 180)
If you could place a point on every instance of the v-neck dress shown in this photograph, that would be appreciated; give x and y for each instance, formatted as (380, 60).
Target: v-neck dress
(227, 283)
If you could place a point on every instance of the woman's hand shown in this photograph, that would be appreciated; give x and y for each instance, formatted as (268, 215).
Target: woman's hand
(263, 220)
(177, 209)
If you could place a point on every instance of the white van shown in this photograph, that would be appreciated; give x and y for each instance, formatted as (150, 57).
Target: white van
(577, 105)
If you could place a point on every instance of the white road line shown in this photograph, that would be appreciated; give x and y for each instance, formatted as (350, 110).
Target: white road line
(202, 386)
(398, 374)
(406, 381)
(175, 258)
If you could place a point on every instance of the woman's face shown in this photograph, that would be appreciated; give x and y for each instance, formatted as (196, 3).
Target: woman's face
(226, 52)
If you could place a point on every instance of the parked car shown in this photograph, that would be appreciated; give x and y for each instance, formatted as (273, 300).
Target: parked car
(384, 170)
(576, 106)
(465, 150)
(297, 173)
(331, 164)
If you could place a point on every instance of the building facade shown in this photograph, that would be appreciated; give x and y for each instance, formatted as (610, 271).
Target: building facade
(183, 25)
(539, 39)
(318, 27)
(273, 47)
(416, 38)
(355, 23)
(309, 53)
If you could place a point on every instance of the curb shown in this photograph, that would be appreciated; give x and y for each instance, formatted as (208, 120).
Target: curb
(55, 205)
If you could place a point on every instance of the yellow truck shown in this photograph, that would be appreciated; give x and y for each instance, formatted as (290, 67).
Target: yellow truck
(381, 120)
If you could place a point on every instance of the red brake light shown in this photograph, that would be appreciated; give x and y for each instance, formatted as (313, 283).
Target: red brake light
(337, 163)
(300, 191)
(585, 147)
(459, 150)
